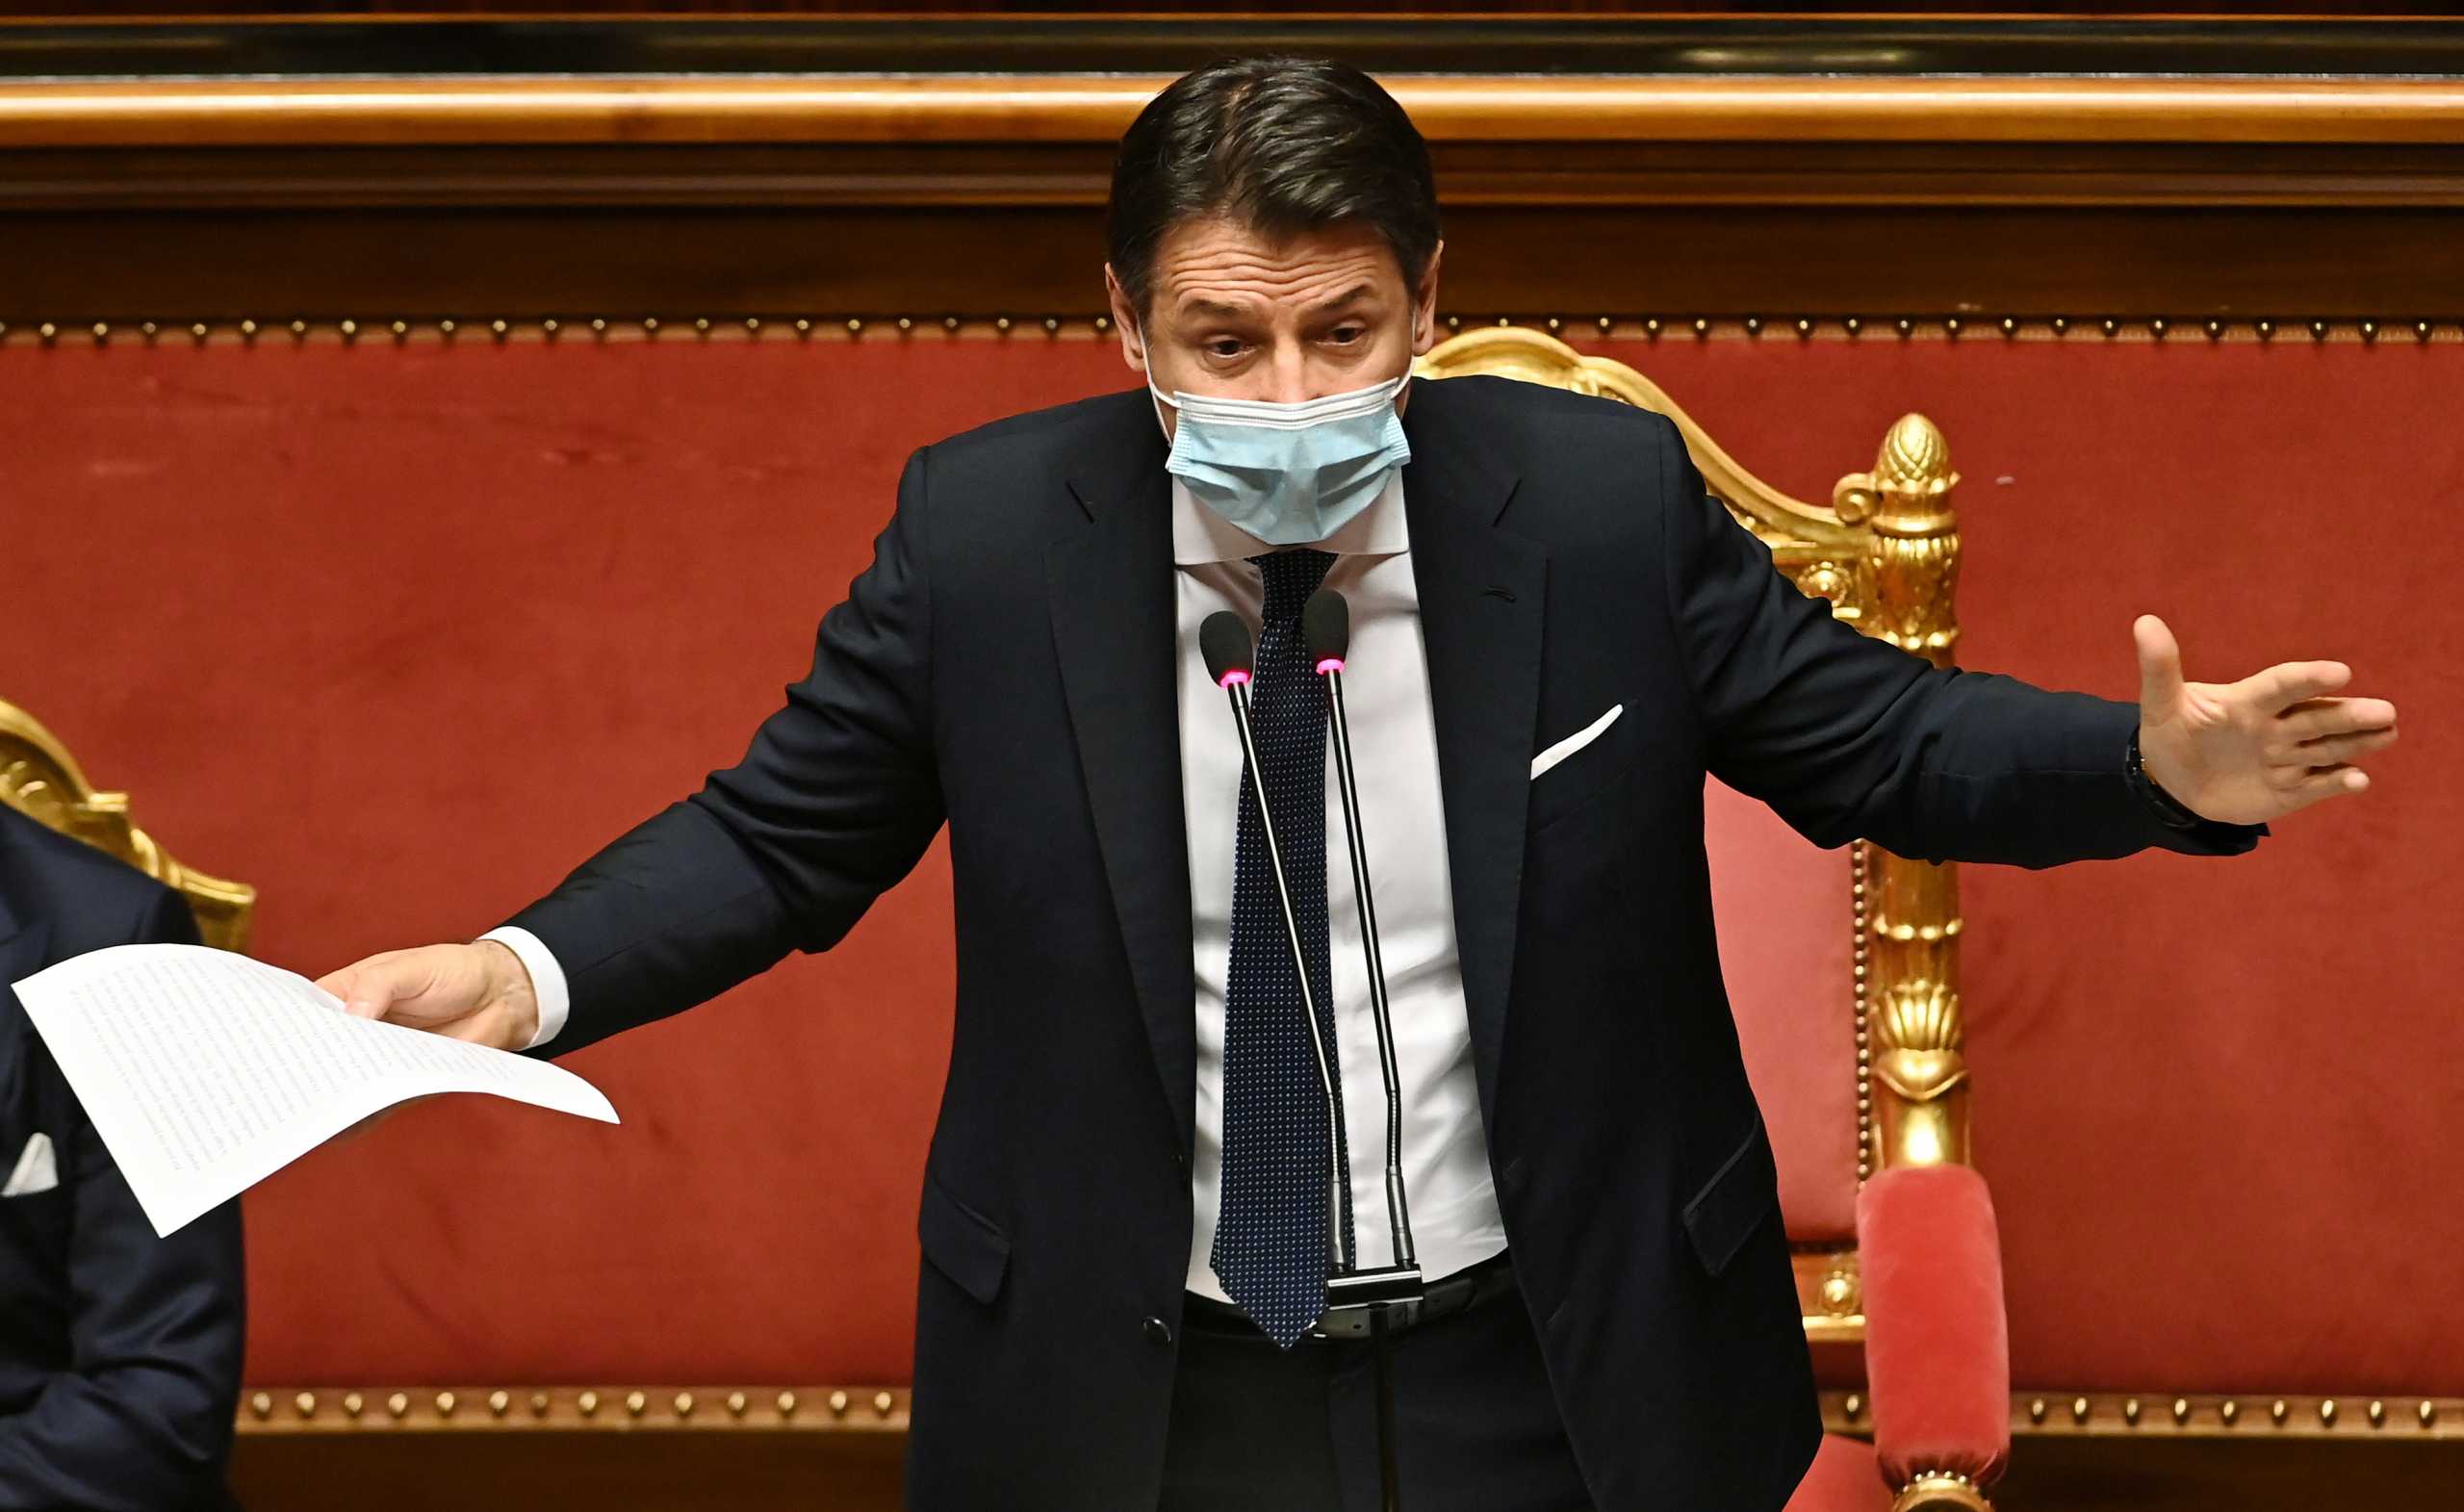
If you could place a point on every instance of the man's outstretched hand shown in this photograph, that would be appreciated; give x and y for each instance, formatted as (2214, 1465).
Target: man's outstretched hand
(2248, 752)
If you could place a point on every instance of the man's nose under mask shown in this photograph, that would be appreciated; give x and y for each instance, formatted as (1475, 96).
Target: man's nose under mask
(1287, 473)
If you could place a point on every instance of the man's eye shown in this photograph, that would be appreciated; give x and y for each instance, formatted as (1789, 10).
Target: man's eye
(1224, 346)
(1345, 335)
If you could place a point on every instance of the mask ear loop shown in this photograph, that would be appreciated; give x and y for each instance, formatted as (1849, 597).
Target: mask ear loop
(1154, 395)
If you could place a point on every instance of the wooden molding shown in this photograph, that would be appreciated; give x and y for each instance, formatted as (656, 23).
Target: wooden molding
(1057, 109)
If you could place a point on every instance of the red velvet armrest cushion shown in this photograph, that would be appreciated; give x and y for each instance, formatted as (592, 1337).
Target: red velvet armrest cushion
(1938, 1349)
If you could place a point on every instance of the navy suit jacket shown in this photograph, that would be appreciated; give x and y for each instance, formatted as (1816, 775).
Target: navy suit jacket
(120, 1352)
(1006, 666)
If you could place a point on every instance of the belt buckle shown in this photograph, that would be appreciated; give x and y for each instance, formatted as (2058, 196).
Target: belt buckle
(1356, 1298)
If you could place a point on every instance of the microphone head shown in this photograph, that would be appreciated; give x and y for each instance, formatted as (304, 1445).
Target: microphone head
(1227, 647)
(1326, 624)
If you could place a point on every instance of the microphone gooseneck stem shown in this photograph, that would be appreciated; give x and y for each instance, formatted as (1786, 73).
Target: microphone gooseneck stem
(1398, 1212)
(1337, 1249)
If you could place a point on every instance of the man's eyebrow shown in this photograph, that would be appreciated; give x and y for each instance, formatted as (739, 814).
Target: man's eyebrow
(1216, 309)
(1350, 296)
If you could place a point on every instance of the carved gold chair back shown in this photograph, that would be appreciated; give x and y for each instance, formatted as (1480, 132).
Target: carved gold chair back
(40, 777)
(1883, 1036)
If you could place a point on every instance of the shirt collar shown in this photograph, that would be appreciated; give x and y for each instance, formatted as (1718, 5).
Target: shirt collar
(1201, 535)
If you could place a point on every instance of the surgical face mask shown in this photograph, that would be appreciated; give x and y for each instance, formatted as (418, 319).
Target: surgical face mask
(1287, 473)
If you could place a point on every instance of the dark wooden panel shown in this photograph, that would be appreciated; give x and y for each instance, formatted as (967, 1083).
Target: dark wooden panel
(597, 1472)
(860, 1473)
(1030, 41)
(1383, 9)
(1576, 261)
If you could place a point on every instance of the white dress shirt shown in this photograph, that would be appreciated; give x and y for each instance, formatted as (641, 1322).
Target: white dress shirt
(1386, 694)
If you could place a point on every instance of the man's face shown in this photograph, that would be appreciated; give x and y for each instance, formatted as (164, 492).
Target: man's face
(1237, 315)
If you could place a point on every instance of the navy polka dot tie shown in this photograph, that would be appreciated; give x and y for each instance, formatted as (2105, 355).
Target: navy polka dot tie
(1271, 1249)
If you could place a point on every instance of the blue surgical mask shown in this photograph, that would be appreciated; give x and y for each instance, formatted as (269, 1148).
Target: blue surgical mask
(1287, 473)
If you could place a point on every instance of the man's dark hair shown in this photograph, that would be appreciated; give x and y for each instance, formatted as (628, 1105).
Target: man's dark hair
(1284, 146)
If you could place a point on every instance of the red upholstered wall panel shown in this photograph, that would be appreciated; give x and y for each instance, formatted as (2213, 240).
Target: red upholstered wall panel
(397, 634)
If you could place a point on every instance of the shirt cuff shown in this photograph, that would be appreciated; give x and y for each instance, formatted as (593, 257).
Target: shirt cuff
(547, 978)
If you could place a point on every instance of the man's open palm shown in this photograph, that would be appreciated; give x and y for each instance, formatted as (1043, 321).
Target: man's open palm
(2248, 752)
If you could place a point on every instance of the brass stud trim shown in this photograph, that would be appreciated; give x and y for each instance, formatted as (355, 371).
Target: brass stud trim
(2366, 329)
(280, 1409)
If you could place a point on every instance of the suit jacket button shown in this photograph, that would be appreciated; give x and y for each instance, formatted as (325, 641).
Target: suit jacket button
(1158, 1333)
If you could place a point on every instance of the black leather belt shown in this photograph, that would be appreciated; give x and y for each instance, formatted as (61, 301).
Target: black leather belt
(1444, 1297)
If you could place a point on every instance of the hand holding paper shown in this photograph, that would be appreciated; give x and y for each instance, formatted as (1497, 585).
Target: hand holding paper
(205, 1072)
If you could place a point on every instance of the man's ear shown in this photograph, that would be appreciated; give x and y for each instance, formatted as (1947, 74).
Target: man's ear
(1125, 321)
(1424, 305)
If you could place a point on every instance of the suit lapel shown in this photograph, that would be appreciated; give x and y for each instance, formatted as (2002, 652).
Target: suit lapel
(1110, 573)
(1482, 593)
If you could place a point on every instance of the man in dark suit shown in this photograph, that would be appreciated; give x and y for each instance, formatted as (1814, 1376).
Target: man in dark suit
(1557, 634)
(119, 1350)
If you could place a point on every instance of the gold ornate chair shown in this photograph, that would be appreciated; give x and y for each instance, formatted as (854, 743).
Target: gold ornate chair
(40, 779)
(1843, 972)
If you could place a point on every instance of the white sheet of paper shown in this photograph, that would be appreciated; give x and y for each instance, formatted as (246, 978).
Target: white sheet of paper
(206, 1072)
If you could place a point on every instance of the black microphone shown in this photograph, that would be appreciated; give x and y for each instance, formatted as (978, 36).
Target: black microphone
(1326, 627)
(1224, 642)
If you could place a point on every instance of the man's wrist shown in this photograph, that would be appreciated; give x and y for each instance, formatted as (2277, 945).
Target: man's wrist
(2169, 812)
(550, 998)
(514, 987)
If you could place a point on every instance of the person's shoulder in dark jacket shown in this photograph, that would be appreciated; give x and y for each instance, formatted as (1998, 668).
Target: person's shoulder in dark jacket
(86, 899)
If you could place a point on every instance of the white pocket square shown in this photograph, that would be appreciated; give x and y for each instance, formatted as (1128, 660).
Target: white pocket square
(1574, 743)
(38, 1170)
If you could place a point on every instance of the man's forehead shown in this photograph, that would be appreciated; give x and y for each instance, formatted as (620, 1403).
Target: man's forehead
(1220, 265)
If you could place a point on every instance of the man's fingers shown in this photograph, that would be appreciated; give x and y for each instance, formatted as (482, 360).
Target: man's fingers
(2333, 749)
(2160, 667)
(370, 987)
(2311, 719)
(2288, 683)
(2326, 782)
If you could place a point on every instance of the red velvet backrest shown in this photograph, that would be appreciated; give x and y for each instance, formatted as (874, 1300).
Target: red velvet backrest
(1786, 929)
